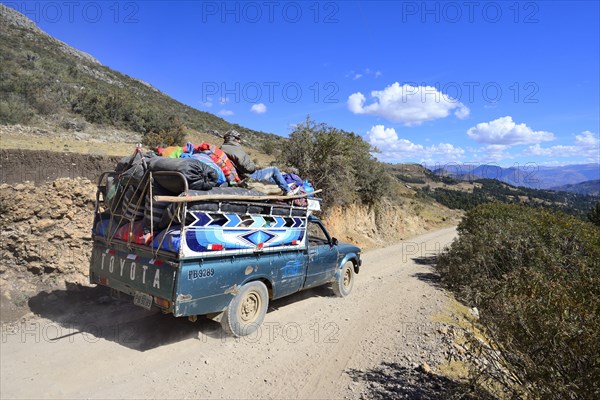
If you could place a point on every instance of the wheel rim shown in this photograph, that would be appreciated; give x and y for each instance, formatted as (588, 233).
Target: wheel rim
(347, 277)
(250, 307)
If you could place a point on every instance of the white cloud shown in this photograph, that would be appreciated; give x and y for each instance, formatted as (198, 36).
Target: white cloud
(223, 100)
(225, 112)
(410, 105)
(357, 76)
(495, 152)
(378, 74)
(504, 131)
(586, 147)
(394, 149)
(259, 108)
(588, 140)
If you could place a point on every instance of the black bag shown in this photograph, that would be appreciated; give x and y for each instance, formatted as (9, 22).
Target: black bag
(199, 176)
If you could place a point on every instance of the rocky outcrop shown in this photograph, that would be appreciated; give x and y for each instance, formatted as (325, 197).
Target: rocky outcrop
(46, 229)
(388, 222)
(45, 239)
(9, 16)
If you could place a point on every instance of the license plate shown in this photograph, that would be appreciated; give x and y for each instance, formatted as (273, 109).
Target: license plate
(142, 300)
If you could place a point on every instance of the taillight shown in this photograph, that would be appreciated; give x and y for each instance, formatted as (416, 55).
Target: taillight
(103, 280)
(162, 302)
(215, 247)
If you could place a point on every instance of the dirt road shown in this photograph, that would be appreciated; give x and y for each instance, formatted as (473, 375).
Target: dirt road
(83, 344)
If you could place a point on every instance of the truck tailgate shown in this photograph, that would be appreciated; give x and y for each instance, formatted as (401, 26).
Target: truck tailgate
(132, 270)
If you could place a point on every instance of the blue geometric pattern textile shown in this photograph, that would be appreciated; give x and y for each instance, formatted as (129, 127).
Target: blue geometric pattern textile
(257, 237)
(226, 233)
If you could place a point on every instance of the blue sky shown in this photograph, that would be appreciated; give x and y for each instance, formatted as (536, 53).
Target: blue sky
(497, 82)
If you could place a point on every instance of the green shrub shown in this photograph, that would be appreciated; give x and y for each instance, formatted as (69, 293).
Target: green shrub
(338, 162)
(14, 110)
(535, 277)
(172, 135)
(594, 214)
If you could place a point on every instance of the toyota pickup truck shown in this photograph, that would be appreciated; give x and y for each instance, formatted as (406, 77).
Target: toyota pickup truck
(224, 258)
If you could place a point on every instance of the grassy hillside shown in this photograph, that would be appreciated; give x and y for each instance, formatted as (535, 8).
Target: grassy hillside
(465, 195)
(588, 187)
(43, 79)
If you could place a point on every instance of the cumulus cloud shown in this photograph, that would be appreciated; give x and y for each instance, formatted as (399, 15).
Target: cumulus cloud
(504, 131)
(587, 146)
(410, 105)
(496, 152)
(588, 140)
(259, 108)
(225, 112)
(395, 149)
(357, 76)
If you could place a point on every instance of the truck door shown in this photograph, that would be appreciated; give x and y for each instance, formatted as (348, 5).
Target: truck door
(322, 255)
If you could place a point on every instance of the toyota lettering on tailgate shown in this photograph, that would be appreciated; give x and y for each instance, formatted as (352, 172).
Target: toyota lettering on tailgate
(133, 268)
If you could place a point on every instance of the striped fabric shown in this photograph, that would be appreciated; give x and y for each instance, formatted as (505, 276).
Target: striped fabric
(221, 160)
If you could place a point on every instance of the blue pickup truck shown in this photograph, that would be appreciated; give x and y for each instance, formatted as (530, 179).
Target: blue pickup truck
(222, 258)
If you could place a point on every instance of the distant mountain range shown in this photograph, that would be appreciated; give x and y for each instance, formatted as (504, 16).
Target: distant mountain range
(529, 175)
(466, 194)
(588, 187)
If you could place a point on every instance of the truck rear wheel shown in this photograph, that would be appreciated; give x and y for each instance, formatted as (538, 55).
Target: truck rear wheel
(344, 282)
(247, 309)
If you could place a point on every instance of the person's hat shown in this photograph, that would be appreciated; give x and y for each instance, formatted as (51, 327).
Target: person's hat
(232, 134)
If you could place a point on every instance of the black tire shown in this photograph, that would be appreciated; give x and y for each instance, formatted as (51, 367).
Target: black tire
(344, 282)
(247, 310)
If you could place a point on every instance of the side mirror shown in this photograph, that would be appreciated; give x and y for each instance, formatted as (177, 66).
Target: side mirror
(334, 241)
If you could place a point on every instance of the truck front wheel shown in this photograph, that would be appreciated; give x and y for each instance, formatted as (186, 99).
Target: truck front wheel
(344, 282)
(247, 309)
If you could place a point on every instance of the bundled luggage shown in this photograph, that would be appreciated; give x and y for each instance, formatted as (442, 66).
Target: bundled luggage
(132, 214)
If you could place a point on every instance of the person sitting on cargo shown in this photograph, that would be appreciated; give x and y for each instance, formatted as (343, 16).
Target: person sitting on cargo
(246, 167)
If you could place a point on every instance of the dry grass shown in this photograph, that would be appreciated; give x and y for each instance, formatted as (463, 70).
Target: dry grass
(107, 142)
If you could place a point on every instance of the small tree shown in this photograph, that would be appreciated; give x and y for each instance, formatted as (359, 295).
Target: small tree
(594, 215)
(173, 135)
(336, 161)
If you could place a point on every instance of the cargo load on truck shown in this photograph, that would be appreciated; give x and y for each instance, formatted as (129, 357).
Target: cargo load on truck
(175, 205)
